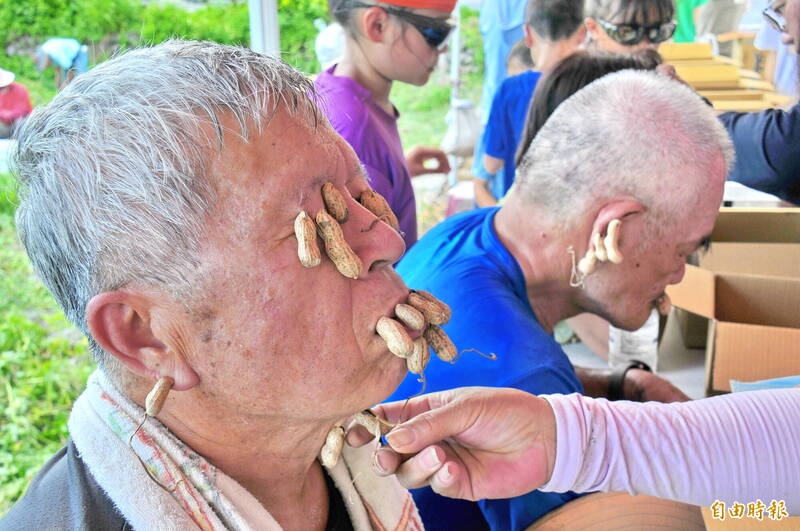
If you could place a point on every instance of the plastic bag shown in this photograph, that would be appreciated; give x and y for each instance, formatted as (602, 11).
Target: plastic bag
(463, 129)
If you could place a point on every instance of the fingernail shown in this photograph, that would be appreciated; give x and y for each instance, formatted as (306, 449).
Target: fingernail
(376, 460)
(400, 437)
(445, 476)
(430, 458)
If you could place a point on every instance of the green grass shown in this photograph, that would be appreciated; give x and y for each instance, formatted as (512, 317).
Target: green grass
(422, 109)
(43, 365)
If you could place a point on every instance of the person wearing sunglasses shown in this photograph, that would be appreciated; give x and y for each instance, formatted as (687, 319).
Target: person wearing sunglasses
(768, 142)
(397, 40)
(625, 26)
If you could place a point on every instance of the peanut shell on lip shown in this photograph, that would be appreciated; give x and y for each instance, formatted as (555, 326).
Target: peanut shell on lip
(435, 311)
(410, 316)
(396, 337)
(420, 357)
(442, 345)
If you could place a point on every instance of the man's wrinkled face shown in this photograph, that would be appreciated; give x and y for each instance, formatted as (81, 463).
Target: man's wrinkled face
(266, 335)
(625, 293)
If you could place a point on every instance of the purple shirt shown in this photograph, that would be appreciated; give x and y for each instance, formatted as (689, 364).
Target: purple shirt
(373, 134)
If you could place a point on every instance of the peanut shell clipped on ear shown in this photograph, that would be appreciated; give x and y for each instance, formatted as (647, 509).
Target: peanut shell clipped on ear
(157, 396)
(335, 203)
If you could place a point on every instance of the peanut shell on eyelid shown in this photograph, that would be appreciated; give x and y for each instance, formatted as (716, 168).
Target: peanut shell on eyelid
(335, 203)
(307, 247)
(375, 203)
(338, 250)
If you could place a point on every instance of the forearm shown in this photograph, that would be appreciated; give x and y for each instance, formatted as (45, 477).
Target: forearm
(594, 381)
(483, 197)
(733, 448)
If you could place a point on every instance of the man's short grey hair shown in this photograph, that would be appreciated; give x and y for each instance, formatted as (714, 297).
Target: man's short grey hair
(113, 172)
(633, 133)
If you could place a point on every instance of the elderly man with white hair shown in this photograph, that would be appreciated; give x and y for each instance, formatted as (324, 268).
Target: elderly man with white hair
(160, 209)
(621, 184)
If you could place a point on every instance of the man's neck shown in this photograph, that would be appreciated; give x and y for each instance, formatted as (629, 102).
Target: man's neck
(545, 262)
(357, 66)
(276, 464)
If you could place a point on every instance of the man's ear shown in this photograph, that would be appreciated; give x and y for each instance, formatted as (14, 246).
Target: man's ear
(120, 322)
(373, 24)
(530, 36)
(592, 28)
(579, 37)
(627, 210)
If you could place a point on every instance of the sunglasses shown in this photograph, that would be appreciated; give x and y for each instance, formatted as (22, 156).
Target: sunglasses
(435, 31)
(774, 15)
(630, 34)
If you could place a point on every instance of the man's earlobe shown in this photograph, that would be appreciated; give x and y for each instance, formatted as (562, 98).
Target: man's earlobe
(120, 322)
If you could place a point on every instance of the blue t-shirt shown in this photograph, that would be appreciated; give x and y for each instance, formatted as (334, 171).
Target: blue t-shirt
(462, 262)
(503, 130)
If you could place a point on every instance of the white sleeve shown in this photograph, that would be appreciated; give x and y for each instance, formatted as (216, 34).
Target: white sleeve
(738, 447)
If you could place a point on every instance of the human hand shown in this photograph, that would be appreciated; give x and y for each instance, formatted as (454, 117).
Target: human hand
(419, 155)
(470, 443)
(644, 386)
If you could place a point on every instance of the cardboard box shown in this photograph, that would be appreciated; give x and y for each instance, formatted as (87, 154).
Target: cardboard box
(755, 329)
(747, 241)
(748, 284)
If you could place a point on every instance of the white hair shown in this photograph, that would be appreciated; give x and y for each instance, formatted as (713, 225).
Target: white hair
(113, 172)
(633, 133)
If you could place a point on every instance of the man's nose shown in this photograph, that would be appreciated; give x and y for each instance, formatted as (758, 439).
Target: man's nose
(374, 241)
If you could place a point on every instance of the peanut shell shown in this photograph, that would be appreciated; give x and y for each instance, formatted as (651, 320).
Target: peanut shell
(420, 357)
(396, 337)
(410, 316)
(307, 247)
(338, 250)
(335, 203)
(435, 311)
(441, 343)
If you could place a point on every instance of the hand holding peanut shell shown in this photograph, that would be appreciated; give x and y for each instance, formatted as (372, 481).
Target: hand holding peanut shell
(470, 443)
